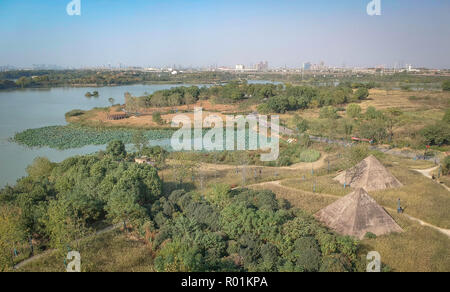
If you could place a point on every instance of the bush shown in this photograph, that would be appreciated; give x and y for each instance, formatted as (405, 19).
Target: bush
(328, 112)
(446, 165)
(438, 134)
(156, 117)
(75, 113)
(446, 85)
(362, 93)
(370, 235)
(309, 155)
(353, 110)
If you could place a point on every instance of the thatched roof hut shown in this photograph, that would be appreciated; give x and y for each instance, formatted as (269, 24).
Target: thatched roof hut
(357, 214)
(369, 174)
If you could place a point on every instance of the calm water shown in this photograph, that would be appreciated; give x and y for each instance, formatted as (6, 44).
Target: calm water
(34, 108)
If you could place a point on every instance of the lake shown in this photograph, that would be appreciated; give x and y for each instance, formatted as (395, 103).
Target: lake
(35, 108)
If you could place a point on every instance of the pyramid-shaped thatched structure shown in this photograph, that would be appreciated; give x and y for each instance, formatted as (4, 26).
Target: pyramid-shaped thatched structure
(356, 214)
(369, 174)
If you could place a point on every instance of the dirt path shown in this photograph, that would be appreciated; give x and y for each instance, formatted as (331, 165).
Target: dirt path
(428, 173)
(51, 251)
(298, 166)
(421, 222)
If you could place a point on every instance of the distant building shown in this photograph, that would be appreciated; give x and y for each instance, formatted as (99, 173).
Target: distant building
(307, 66)
(262, 66)
(240, 67)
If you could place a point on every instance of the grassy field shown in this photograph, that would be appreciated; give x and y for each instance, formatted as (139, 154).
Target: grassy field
(109, 252)
(418, 249)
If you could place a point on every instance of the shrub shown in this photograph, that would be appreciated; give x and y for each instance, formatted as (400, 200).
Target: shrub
(353, 110)
(362, 93)
(328, 112)
(446, 165)
(438, 134)
(370, 235)
(75, 113)
(156, 117)
(446, 85)
(309, 155)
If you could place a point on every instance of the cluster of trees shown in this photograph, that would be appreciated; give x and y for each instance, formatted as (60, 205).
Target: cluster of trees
(303, 97)
(273, 98)
(244, 230)
(58, 204)
(439, 133)
(49, 78)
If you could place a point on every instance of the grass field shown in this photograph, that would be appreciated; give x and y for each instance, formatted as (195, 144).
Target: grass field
(109, 252)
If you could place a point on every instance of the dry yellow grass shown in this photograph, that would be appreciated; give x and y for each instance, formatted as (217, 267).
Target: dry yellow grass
(110, 252)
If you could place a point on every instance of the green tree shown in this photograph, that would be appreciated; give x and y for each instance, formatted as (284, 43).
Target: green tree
(156, 118)
(62, 226)
(328, 112)
(11, 234)
(139, 140)
(116, 149)
(446, 85)
(362, 93)
(40, 168)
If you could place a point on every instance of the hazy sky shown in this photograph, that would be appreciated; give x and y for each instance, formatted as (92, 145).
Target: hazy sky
(224, 32)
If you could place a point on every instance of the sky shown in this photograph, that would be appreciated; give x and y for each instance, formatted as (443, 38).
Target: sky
(225, 32)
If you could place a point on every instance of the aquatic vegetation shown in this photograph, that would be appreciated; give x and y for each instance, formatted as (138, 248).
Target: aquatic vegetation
(67, 137)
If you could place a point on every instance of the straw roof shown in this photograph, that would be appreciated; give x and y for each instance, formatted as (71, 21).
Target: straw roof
(356, 214)
(369, 174)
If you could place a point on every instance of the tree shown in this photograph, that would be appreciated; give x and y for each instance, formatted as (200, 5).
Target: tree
(123, 206)
(157, 154)
(41, 167)
(446, 85)
(372, 113)
(328, 112)
(63, 226)
(353, 110)
(156, 118)
(362, 93)
(11, 234)
(116, 149)
(139, 140)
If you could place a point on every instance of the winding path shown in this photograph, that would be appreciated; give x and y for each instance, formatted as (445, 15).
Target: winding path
(427, 173)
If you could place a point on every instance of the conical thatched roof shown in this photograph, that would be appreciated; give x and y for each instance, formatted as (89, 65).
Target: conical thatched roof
(369, 174)
(356, 214)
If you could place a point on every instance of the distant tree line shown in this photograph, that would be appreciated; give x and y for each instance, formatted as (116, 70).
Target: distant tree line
(273, 98)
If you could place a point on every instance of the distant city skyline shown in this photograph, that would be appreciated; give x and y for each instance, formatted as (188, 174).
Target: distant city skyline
(201, 33)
